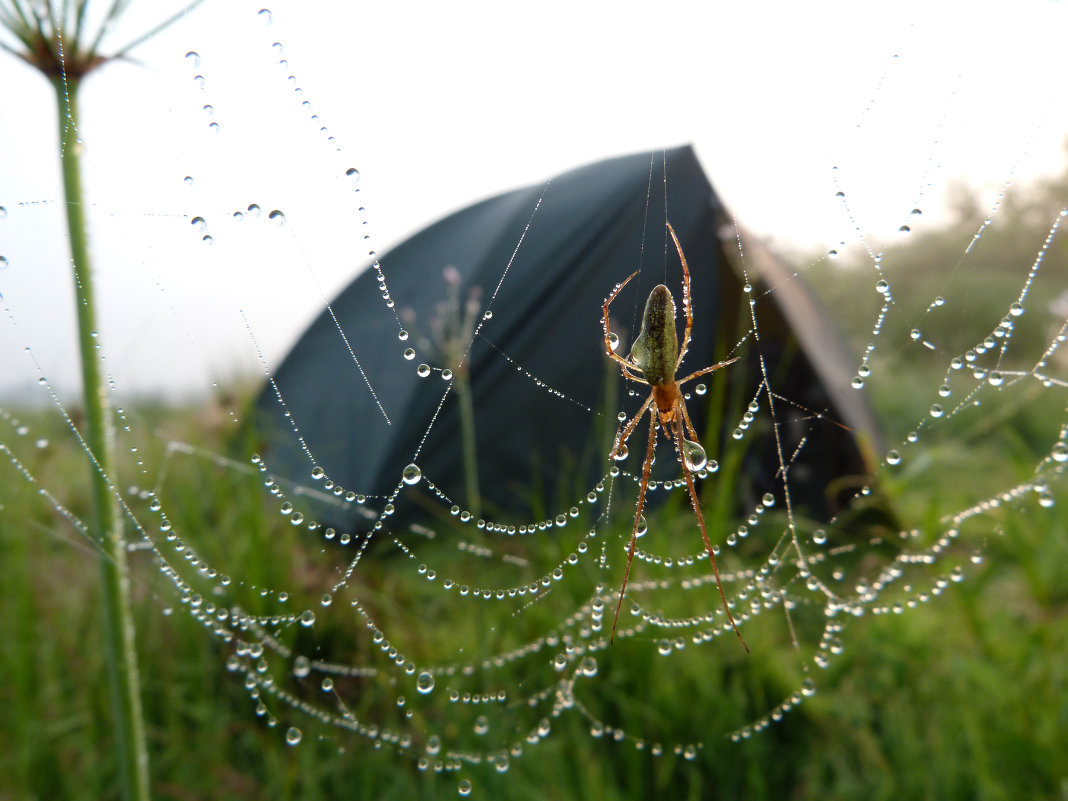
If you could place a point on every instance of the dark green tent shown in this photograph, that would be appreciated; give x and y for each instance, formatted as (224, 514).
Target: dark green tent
(542, 260)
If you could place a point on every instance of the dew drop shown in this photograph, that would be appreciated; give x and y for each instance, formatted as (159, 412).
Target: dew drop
(277, 217)
(307, 618)
(1059, 452)
(412, 474)
(265, 16)
(487, 315)
(402, 335)
(904, 230)
(424, 683)
(643, 527)
(293, 735)
(693, 456)
(613, 340)
(893, 458)
(193, 57)
(409, 353)
(199, 223)
(700, 389)
(353, 174)
(464, 787)
(446, 374)
(422, 370)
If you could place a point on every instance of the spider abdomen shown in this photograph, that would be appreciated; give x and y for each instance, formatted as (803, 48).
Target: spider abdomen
(656, 349)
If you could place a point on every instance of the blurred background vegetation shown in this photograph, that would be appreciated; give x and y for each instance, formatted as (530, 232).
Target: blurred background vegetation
(965, 697)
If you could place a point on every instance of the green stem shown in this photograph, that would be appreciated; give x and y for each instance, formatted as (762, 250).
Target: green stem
(467, 432)
(100, 436)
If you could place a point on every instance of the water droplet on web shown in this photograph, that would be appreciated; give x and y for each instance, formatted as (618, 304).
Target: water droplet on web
(693, 456)
(412, 474)
(188, 181)
(893, 458)
(620, 453)
(307, 618)
(613, 340)
(254, 209)
(3, 262)
(424, 683)
(208, 239)
(353, 174)
(995, 379)
(422, 370)
(1016, 309)
(1059, 452)
(904, 230)
(277, 217)
(487, 315)
(446, 374)
(808, 688)
(832, 254)
(265, 16)
(193, 57)
(643, 527)
(293, 735)
(213, 127)
(464, 787)
(936, 410)
(402, 335)
(881, 286)
(481, 725)
(409, 353)
(199, 223)
(301, 666)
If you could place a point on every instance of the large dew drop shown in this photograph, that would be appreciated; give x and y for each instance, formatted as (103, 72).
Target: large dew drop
(412, 474)
(693, 455)
(424, 683)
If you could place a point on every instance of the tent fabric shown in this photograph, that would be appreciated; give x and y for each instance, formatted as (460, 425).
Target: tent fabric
(544, 395)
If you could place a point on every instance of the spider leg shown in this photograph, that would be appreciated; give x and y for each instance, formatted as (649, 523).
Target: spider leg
(687, 305)
(647, 466)
(629, 428)
(700, 519)
(706, 370)
(608, 334)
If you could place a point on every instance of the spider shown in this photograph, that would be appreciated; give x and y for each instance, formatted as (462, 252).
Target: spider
(654, 359)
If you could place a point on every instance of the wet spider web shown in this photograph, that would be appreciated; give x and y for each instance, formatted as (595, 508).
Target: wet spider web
(466, 642)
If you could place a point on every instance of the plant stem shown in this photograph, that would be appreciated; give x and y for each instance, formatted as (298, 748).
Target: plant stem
(467, 432)
(100, 436)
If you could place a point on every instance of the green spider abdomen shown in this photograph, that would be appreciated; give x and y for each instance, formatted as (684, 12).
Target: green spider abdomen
(656, 349)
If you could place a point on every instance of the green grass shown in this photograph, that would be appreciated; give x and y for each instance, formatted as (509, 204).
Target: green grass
(964, 697)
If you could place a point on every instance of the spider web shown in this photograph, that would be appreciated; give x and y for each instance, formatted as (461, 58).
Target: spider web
(469, 642)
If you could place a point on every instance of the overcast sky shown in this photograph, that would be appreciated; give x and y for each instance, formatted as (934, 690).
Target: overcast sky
(443, 104)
